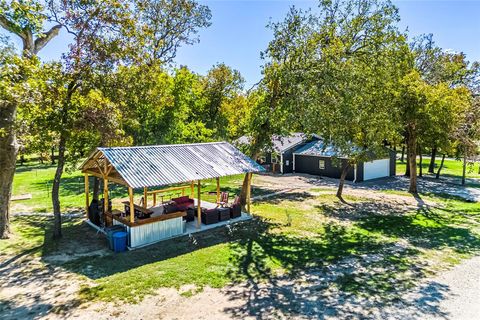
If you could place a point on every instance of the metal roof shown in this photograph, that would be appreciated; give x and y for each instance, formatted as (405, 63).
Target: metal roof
(282, 143)
(317, 148)
(149, 166)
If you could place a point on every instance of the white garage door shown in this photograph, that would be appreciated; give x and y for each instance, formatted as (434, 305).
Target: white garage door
(376, 169)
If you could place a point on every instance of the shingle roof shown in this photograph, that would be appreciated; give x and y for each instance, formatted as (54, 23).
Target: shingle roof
(149, 166)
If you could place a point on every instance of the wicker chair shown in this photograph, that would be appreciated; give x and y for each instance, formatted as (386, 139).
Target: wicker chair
(236, 208)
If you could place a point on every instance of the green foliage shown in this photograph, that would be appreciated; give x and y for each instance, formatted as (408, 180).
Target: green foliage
(23, 15)
(335, 82)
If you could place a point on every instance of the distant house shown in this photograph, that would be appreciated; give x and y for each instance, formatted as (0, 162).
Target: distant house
(308, 154)
(279, 157)
(316, 158)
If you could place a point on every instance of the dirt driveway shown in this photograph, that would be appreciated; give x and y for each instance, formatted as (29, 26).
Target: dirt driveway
(366, 188)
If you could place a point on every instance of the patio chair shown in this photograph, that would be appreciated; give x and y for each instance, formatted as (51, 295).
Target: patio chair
(236, 208)
(223, 199)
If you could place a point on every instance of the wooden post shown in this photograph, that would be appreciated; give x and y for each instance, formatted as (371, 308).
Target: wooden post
(87, 194)
(144, 197)
(132, 208)
(218, 189)
(249, 191)
(154, 199)
(192, 189)
(199, 203)
(105, 195)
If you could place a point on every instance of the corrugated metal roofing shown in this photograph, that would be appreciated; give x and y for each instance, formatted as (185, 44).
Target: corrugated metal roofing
(317, 148)
(150, 166)
(281, 143)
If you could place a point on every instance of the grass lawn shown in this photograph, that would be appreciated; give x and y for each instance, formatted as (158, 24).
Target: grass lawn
(290, 235)
(451, 168)
(388, 249)
(36, 179)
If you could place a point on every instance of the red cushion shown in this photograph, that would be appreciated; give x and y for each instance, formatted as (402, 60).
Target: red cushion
(181, 199)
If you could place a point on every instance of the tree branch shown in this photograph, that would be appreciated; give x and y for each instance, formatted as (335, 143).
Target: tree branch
(45, 38)
(11, 27)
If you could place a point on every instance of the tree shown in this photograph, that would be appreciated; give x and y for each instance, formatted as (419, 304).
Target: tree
(336, 72)
(26, 20)
(107, 34)
(426, 108)
(220, 86)
(438, 66)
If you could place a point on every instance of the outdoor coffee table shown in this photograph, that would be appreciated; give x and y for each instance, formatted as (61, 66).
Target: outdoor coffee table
(223, 214)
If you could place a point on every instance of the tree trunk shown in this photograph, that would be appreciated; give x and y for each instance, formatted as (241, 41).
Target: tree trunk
(57, 224)
(412, 160)
(52, 156)
(341, 183)
(464, 172)
(431, 167)
(243, 192)
(96, 188)
(420, 169)
(407, 168)
(440, 167)
(8, 157)
(402, 158)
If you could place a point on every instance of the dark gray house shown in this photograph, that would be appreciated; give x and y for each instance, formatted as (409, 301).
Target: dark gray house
(315, 158)
(279, 157)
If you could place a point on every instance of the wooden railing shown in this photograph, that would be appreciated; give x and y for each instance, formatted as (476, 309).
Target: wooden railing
(179, 188)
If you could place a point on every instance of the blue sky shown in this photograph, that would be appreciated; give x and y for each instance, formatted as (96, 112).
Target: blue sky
(238, 32)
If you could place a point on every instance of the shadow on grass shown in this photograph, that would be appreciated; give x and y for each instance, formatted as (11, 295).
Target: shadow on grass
(27, 167)
(280, 273)
(290, 196)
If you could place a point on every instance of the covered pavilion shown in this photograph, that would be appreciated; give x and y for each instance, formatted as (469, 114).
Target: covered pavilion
(180, 166)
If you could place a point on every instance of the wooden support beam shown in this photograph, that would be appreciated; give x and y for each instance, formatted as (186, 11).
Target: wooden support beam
(218, 189)
(87, 195)
(105, 196)
(154, 199)
(192, 189)
(199, 204)
(168, 189)
(145, 197)
(249, 191)
(111, 179)
(132, 205)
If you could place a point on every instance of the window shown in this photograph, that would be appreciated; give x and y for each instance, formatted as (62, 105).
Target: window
(321, 164)
(287, 163)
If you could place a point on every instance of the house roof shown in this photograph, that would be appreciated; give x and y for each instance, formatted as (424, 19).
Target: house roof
(281, 143)
(317, 148)
(159, 165)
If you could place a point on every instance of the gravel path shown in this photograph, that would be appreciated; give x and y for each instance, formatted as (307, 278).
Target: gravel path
(454, 294)
(463, 299)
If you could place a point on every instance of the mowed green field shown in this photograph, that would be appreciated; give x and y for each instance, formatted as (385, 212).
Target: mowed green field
(290, 234)
(451, 168)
